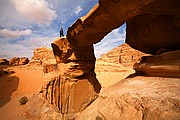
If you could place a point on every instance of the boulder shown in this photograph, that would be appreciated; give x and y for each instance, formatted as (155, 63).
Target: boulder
(23, 61)
(14, 61)
(138, 98)
(4, 62)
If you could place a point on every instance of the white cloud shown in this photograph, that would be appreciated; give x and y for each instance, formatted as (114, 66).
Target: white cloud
(36, 42)
(34, 10)
(14, 34)
(78, 10)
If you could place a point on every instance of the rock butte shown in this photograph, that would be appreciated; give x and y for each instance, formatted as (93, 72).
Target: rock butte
(153, 27)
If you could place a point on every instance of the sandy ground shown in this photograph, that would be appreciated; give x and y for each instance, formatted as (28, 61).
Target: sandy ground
(21, 81)
(110, 73)
(25, 81)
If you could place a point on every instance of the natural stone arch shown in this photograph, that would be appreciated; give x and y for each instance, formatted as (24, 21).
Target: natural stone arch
(75, 54)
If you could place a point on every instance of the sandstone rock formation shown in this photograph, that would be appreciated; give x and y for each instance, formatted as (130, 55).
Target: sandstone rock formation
(102, 19)
(157, 27)
(4, 62)
(74, 85)
(18, 61)
(166, 64)
(124, 55)
(42, 56)
(152, 27)
(138, 98)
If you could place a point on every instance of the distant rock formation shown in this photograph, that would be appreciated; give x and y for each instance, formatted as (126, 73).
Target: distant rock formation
(123, 54)
(42, 56)
(18, 61)
(4, 62)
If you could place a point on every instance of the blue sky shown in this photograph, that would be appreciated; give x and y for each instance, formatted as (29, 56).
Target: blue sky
(29, 24)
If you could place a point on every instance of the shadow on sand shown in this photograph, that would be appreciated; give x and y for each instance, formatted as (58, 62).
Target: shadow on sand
(8, 84)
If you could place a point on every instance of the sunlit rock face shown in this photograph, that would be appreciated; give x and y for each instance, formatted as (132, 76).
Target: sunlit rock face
(152, 27)
(124, 55)
(102, 19)
(73, 86)
(42, 56)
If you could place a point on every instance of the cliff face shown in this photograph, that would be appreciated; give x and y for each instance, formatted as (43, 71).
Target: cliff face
(124, 55)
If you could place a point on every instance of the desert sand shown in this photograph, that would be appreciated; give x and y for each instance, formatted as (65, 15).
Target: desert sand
(20, 81)
(26, 80)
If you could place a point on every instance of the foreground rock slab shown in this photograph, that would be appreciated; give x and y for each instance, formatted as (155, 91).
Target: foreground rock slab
(166, 64)
(138, 98)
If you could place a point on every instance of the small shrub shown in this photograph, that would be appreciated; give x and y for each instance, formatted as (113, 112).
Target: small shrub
(23, 100)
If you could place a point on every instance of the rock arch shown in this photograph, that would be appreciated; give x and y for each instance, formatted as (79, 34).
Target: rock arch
(76, 86)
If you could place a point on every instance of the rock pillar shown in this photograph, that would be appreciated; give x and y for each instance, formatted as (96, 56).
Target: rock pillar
(75, 85)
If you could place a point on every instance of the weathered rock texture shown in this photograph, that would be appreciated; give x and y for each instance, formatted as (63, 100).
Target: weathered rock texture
(18, 61)
(138, 98)
(42, 56)
(4, 62)
(74, 85)
(152, 27)
(102, 19)
(157, 27)
(166, 64)
(124, 55)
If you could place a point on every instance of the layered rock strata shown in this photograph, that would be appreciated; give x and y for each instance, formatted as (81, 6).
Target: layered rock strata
(74, 85)
(42, 56)
(123, 54)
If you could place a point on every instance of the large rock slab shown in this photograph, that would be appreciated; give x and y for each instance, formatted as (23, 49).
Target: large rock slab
(138, 98)
(166, 64)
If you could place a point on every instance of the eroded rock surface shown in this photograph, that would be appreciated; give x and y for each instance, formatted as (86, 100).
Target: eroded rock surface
(74, 85)
(4, 62)
(42, 56)
(18, 61)
(123, 54)
(166, 64)
(138, 98)
(157, 27)
(102, 19)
